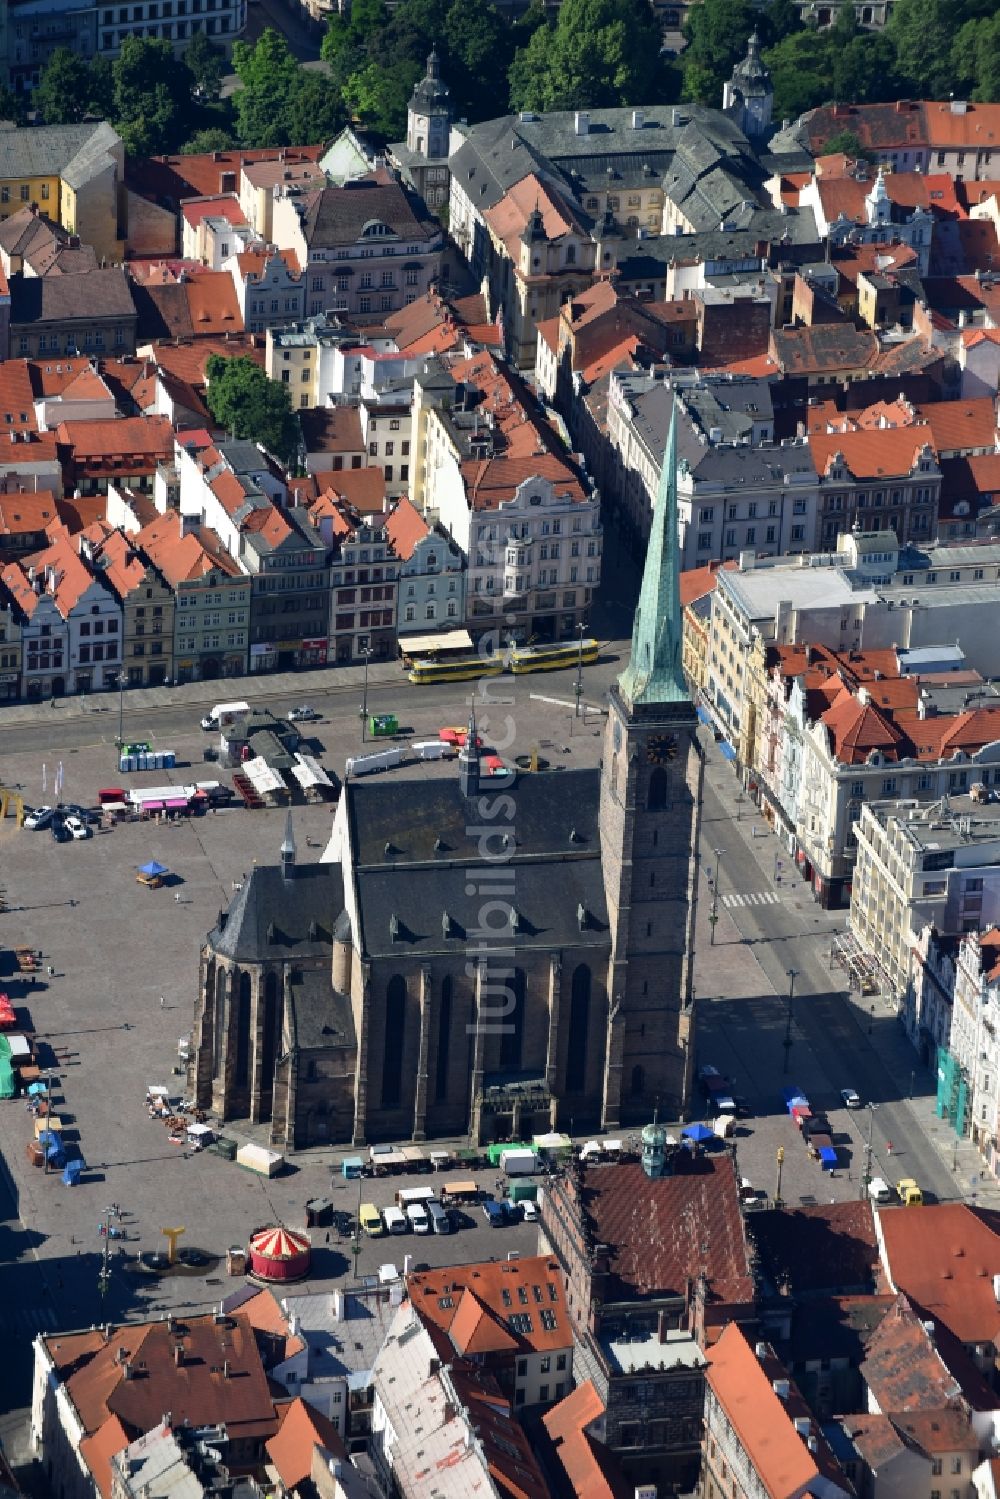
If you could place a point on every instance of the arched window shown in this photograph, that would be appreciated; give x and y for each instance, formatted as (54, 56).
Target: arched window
(219, 1028)
(242, 1073)
(638, 1081)
(656, 797)
(444, 1041)
(579, 1025)
(392, 1050)
(272, 1033)
(512, 1022)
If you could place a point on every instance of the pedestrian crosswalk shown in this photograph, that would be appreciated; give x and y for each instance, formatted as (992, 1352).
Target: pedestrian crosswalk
(754, 898)
(28, 1319)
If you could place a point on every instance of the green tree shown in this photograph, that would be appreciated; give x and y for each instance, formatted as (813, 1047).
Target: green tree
(204, 141)
(377, 97)
(102, 88)
(922, 33)
(11, 105)
(480, 51)
(207, 63)
(717, 32)
(975, 59)
(270, 78)
(243, 399)
(600, 53)
(316, 111)
(801, 70)
(152, 96)
(62, 95)
(847, 143)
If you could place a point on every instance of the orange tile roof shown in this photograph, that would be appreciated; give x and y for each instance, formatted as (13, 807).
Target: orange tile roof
(17, 411)
(845, 194)
(100, 1447)
(481, 1322)
(590, 1468)
(148, 437)
(184, 558)
(764, 1422)
(903, 1368)
(548, 331)
(218, 206)
(961, 424)
(22, 514)
(701, 580)
(180, 177)
(364, 488)
(187, 359)
(887, 452)
(405, 526)
(271, 174)
(508, 218)
(857, 728)
(332, 429)
(72, 575)
(213, 305)
(302, 1429)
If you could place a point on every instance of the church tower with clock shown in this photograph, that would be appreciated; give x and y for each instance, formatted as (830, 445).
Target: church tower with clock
(650, 814)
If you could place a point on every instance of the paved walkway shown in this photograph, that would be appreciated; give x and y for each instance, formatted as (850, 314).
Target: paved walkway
(890, 1042)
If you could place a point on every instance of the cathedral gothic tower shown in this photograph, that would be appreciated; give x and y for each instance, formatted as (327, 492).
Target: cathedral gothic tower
(650, 814)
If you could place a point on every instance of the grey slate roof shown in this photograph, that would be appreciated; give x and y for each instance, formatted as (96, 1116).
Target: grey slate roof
(319, 1017)
(73, 152)
(98, 293)
(302, 911)
(338, 215)
(553, 874)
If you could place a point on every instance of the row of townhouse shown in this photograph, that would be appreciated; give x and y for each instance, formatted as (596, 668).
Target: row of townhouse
(740, 489)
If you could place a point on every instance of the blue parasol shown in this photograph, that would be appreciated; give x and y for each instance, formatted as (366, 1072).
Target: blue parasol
(699, 1133)
(152, 869)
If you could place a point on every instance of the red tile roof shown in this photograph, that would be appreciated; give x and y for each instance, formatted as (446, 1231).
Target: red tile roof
(405, 526)
(17, 411)
(184, 558)
(888, 452)
(945, 1261)
(903, 1369)
(661, 1235)
(764, 1422)
(831, 1247)
(302, 1429)
(856, 729)
(475, 1304)
(24, 514)
(698, 581)
(219, 206)
(178, 177)
(99, 1448)
(590, 1468)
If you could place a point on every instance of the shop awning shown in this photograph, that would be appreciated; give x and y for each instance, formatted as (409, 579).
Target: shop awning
(704, 714)
(442, 640)
(152, 806)
(175, 802)
(309, 772)
(728, 752)
(264, 780)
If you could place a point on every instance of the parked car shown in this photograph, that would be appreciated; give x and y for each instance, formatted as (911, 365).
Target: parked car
(304, 713)
(37, 818)
(529, 1212)
(72, 809)
(60, 831)
(851, 1099)
(77, 828)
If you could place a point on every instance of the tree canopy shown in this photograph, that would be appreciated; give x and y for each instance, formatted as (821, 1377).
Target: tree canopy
(242, 398)
(62, 94)
(599, 53)
(152, 95)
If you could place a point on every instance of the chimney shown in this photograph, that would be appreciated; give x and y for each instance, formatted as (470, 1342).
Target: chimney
(179, 1355)
(662, 1326)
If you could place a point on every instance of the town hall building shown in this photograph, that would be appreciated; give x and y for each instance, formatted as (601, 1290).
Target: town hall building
(478, 955)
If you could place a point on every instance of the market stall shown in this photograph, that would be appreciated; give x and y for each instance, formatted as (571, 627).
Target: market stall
(315, 783)
(268, 783)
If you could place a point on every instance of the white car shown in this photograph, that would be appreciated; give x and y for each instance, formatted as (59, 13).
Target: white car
(39, 818)
(529, 1212)
(303, 714)
(851, 1099)
(77, 828)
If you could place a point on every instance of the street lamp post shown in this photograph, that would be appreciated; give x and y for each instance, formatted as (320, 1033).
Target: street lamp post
(713, 914)
(121, 711)
(780, 1159)
(866, 1177)
(579, 670)
(791, 975)
(367, 654)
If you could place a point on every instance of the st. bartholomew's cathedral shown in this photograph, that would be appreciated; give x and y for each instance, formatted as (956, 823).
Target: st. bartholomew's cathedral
(476, 955)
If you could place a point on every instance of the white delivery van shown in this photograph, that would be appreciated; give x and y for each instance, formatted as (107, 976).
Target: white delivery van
(394, 1220)
(440, 1218)
(223, 714)
(432, 749)
(880, 1191)
(416, 1216)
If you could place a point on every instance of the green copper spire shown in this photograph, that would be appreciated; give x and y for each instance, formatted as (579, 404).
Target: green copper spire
(654, 674)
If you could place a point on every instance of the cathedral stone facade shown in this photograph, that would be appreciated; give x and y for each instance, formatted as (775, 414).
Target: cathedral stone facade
(478, 956)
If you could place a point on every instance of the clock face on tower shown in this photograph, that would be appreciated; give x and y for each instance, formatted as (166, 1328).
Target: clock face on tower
(661, 749)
